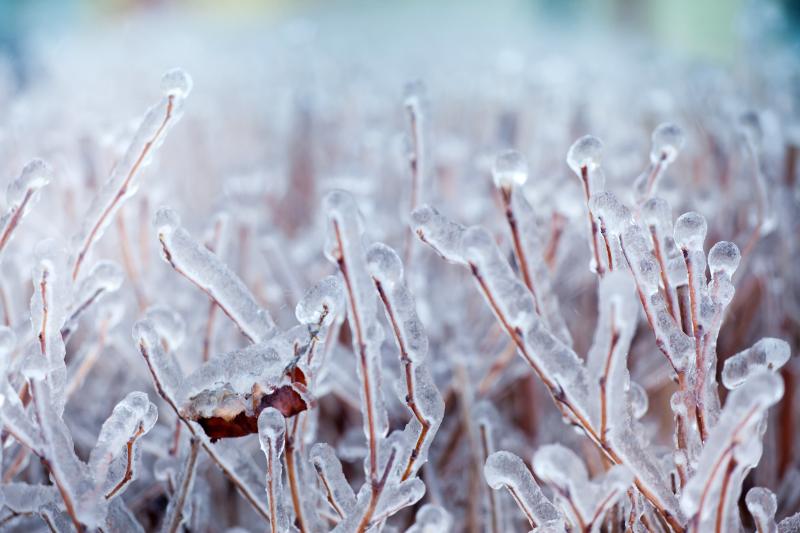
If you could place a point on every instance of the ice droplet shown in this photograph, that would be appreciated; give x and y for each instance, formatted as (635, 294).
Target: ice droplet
(176, 82)
(166, 220)
(724, 257)
(690, 231)
(668, 139)
(510, 168)
(585, 152)
(384, 264)
(657, 212)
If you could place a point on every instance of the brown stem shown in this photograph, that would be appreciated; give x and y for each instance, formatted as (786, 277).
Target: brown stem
(14, 220)
(505, 193)
(129, 467)
(671, 297)
(604, 378)
(408, 368)
(183, 490)
(127, 261)
(493, 507)
(375, 495)
(362, 357)
(592, 223)
(556, 230)
(292, 476)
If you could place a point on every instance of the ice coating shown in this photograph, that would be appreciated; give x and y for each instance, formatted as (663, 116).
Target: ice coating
(179, 508)
(271, 430)
(657, 212)
(439, 232)
(345, 249)
(667, 139)
(177, 83)
(422, 396)
(506, 470)
(613, 213)
(586, 152)
(762, 505)
(328, 467)
(161, 364)
(510, 168)
(123, 182)
(203, 268)
(105, 276)
(168, 323)
(736, 429)
(724, 257)
(384, 264)
(545, 298)
(766, 354)
(21, 195)
(690, 231)
(325, 297)
(431, 518)
(560, 467)
(481, 252)
(131, 418)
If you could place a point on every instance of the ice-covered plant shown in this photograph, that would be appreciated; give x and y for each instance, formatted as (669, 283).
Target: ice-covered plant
(272, 272)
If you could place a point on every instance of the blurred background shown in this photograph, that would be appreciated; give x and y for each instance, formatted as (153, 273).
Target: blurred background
(716, 30)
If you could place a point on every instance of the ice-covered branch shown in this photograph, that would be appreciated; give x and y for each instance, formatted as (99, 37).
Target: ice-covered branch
(422, 396)
(176, 510)
(123, 181)
(199, 265)
(21, 195)
(506, 470)
(667, 141)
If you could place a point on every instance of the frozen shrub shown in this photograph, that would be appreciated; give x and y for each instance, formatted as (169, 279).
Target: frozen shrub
(286, 348)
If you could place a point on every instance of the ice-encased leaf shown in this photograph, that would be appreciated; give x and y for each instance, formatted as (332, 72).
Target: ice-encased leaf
(506, 470)
(766, 354)
(199, 265)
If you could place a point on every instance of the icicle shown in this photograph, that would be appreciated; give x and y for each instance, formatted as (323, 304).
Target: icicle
(200, 266)
(762, 505)
(271, 430)
(123, 181)
(766, 354)
(21, 196)
(506, 470)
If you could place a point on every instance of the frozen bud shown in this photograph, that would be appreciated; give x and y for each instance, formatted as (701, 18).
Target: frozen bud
(414, 95)
(176, 82)
(325, 297)
(271, 428)
(166, 221)
(750, 125)
(768, 353)
(724, 257)
(504, 469)
(656, 212)
(585, 152)
(607, 207)
(667, 141)
(690, 231)
(384, 264)
(169, 325)
(431, 519)
(510, 168)
(762, 505)
(35, 175)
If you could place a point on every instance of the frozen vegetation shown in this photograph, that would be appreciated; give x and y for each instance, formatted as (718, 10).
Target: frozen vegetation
(363, 308)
